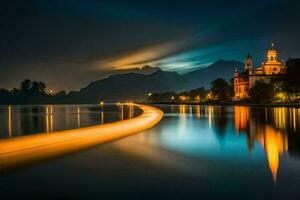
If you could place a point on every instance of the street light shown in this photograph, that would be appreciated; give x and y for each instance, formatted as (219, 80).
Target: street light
(102, 103)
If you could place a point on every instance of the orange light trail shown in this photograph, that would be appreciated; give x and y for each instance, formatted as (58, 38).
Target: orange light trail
(23, 150)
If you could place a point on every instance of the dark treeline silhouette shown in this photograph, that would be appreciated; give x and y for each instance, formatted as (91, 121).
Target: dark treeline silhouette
(220, 92)
(262, 92)
(291, 80)
(30, 92)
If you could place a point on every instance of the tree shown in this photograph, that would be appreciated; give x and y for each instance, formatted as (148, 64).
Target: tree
(25, 85)
(162, 97)
(4, 96)
(291, 78)
(42, 87)
(61, 93)
(34, 86)
(38, 87)
(199, 92)
(220, 90)
(262, 91)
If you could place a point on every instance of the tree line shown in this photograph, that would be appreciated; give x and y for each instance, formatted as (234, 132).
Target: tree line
(220, 92)
(30, 92)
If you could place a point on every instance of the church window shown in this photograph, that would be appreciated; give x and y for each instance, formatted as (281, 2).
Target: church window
(271, 57)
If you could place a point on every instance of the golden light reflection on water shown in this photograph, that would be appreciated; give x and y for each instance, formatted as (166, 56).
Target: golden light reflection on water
(51, 119)
(78, 117)
(47, 119)
(9, 122)
(182, 110)
(275, 143)
(20, 120)
(241, 116)
(268, 128)
(102, 117)
(210, 113)
(131, 111)
(22, 150)
(121, 112)
(198, 112)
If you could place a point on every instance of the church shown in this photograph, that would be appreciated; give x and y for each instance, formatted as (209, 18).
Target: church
(244, 81)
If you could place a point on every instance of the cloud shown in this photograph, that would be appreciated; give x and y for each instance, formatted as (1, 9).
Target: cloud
(140, 57)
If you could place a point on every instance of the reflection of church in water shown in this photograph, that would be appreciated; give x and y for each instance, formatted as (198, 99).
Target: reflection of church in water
(270, 128)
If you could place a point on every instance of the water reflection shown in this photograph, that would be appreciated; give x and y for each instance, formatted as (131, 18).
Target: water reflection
(246, 136)
(78, 117)
(269, 127)
(9, 121)
(22, 120)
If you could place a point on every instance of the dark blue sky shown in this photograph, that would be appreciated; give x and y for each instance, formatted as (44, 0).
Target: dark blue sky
(68, 43)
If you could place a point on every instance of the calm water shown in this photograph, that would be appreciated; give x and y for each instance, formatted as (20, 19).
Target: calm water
(24, 120)
(195, 152)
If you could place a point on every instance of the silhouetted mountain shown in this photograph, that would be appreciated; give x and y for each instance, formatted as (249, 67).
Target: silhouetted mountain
(143, 70)
(132, 86)
(136, 86)
(221, 68)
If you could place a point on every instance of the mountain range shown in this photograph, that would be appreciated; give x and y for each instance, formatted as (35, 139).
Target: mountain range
(136, 84)
(220, 69)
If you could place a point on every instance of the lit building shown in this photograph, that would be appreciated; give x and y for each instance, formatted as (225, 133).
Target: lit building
(244, 81)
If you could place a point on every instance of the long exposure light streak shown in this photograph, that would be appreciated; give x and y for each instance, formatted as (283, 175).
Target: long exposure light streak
(19, 151)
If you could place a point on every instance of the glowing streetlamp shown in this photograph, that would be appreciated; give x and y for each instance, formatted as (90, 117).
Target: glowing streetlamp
(149, 94)
(209, 95)
(182, 98)
(101, 103)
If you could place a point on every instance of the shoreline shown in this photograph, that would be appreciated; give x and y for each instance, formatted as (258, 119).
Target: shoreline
(297, 105)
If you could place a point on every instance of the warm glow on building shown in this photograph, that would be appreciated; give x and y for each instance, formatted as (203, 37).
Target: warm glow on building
(183, 98)
(197, 98)
(209, 95)
(244, 81)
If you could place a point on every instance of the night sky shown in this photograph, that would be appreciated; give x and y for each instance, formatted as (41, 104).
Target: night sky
(69, 43)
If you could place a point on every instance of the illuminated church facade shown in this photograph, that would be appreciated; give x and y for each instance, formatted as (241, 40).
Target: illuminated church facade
(244, 81)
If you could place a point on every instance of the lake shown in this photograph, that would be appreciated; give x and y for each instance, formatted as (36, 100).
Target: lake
(195, 152)
(25, 120)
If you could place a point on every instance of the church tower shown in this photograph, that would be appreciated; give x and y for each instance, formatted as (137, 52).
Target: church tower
(272, 54)
(248, 63)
